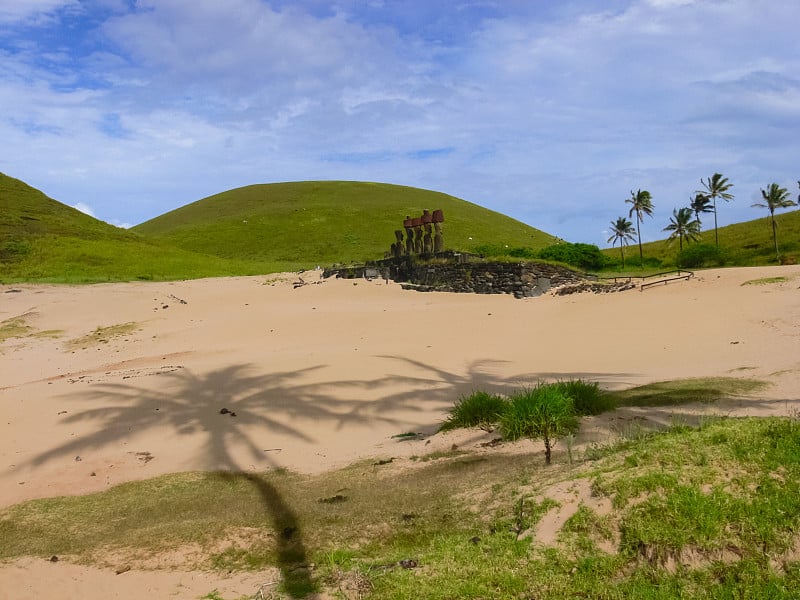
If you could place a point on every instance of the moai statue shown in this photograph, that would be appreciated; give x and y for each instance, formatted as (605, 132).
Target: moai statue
(438, 240)
(398, 246)
(409, 227)
(427, 240)
(417, 222)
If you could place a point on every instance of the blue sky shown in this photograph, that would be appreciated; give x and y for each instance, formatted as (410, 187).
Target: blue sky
(549, 111)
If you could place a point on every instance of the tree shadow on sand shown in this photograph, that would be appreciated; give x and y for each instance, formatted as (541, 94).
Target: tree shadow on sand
(278, 403)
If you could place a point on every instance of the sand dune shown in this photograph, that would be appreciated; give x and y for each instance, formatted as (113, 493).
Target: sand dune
(117, 382)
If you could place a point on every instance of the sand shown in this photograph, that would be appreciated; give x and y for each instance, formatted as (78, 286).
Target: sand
(326, 373)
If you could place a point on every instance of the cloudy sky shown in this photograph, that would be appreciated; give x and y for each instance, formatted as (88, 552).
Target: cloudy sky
(551, 111)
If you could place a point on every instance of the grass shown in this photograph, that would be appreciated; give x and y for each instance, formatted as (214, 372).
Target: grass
(102, 335)
(43, 240)
(702, 513)
(685, 391)
(477, 409)
(743, 244)
(14, 327)
(325, 222)
(253, 230)
(766, 281)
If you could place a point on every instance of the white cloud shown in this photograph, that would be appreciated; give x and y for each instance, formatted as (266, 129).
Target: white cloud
(84, 208)
(550, 119)
(20, 10)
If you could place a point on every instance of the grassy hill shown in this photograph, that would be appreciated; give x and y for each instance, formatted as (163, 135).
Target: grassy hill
(303, 224)
(743, 244)
(44, 240)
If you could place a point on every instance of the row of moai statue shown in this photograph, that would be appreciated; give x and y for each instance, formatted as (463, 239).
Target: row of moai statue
(423, 235)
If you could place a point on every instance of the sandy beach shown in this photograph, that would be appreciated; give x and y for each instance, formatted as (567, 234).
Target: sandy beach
(118, 382)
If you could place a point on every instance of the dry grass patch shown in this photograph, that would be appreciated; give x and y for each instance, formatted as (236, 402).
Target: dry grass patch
(102, 335)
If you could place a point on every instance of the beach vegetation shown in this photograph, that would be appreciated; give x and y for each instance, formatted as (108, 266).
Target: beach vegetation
(14, 327)
(543, 412)
(476, 409)
(701, 255)
(587, 397)
(766, 280)
(583, 256)
(701, 512)
(102, 335)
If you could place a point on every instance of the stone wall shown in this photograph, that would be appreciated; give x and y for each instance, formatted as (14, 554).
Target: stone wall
(522, 280)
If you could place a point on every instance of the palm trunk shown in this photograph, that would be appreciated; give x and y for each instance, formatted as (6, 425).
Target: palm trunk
(716, 234)
(547, 450)
(775, 237)
(639, 233)
(622, 254)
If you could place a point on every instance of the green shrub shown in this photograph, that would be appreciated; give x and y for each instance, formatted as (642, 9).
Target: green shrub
(522, 252)
(543, 412)
(701, 255)
(478, 409)
(584, 256)
(587, 397)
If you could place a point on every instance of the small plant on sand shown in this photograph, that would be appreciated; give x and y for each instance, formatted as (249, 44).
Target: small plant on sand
(478, 409)
(543, 412)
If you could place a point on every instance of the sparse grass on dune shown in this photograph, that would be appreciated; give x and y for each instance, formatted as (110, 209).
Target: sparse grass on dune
(684, 391)
(702, 513)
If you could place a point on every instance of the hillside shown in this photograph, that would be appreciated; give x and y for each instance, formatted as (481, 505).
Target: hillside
(742, 244)
(42, 239)
(303, 224)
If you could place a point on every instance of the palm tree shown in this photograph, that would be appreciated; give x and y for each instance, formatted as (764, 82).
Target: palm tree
(701, 203)
(716, 186)
(642, 204)
(775, 197)
(622, 232)
(682, 226)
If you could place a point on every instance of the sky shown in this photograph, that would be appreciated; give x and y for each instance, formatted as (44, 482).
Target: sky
(549, 111)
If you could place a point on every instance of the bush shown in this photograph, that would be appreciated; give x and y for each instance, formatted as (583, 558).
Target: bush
(479, 409)
(587, 398)
(543, 412)
(700, 255)
(584, 256)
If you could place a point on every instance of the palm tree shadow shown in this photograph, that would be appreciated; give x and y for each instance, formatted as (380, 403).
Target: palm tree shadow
(189, 404)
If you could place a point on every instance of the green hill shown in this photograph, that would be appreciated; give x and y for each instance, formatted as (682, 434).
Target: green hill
(42, 239)
(303, 224)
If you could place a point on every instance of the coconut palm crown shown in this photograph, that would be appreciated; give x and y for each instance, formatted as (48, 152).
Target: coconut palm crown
(621, 231)
(716, 186)
(682, 226)
(775, 197)
(701, 203)
(641, 204)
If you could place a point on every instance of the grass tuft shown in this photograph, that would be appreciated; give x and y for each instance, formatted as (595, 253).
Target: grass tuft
(478, 409)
